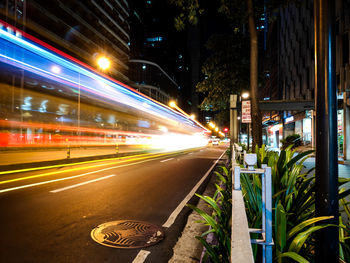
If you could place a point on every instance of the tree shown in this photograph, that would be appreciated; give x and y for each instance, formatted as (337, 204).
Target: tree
(238, 13)
(225, 71)
(254, 88)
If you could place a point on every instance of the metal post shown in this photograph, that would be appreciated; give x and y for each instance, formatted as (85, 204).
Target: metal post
(263, 212)
(237, 177)
(268, 211)
(327, 240)
(248, 136)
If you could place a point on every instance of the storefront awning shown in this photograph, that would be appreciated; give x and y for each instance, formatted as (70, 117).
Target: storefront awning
(286, 105)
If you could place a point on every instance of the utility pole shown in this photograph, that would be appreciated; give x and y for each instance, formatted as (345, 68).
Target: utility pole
(327, 240)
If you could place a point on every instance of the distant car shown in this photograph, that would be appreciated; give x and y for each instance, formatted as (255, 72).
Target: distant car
(215, 142)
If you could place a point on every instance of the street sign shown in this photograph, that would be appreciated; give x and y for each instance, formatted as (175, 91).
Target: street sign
(246, 116)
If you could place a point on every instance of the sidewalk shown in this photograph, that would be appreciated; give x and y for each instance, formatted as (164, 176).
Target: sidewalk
(343, 166)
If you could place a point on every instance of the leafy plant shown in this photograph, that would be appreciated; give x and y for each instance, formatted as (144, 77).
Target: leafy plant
(293, 139)
(293, 203)
(344, 223)
(219, 221)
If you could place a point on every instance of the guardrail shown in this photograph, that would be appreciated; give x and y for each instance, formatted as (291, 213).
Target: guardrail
(241, 250)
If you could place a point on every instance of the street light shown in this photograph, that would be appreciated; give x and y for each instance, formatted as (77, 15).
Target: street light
(103, 62)
(245, 95)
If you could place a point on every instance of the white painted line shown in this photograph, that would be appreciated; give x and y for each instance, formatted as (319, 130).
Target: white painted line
(166, 160)
(141, 256)
(83, 183)
(179, 208)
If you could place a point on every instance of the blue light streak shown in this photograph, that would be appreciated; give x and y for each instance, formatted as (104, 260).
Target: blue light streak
(25, 55)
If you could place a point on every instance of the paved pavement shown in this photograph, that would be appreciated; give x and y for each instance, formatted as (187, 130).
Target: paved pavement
(343, 169)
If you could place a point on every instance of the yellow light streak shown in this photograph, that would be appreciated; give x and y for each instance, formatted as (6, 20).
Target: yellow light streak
(74, 176)
(68, 164)
(74, 169)
(128, 159)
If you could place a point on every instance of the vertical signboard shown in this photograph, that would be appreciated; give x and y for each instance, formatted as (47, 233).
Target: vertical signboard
(246, 116)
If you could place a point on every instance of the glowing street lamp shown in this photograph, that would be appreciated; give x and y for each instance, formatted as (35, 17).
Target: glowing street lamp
(172, 104)
(245, 95)
(103, 62)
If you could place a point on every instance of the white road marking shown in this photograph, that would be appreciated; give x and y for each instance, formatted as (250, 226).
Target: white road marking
(166, 160)
(83, 183)
(179, 208)
(141, 256)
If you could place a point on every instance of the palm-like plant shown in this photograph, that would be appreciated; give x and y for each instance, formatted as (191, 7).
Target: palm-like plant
(219, 221)
(293, 203)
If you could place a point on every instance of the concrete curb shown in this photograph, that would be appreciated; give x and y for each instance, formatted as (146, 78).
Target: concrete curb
(188, 249)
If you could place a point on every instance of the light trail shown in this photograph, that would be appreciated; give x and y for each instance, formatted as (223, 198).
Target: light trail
(75, 176)
(39, 61)
(80, 168)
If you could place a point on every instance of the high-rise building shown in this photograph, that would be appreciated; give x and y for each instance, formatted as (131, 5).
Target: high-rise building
(159, 63)
(83, 29)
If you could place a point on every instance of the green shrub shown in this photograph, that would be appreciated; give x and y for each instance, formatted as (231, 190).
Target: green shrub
(293, 139)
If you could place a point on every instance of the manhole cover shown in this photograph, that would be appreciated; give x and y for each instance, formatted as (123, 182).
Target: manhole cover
(127, 234)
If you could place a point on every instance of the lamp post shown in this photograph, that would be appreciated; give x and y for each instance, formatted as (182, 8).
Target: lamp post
(326, 183)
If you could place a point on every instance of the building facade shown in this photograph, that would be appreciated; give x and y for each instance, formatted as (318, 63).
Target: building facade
(290, 73)
(83, 29)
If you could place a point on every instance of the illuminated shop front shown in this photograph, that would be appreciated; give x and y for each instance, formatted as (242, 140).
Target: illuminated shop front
(300, 123)
(275, 135)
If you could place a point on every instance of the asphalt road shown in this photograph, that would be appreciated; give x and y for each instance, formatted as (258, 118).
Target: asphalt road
(48, 215)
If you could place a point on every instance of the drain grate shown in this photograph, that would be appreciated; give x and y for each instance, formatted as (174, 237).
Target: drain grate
(127, 234)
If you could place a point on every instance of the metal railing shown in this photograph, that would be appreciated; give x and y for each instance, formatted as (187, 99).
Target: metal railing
(240, 239)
